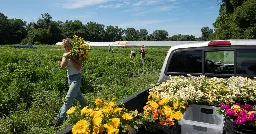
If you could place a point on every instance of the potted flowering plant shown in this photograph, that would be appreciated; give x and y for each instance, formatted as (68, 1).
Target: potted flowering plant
(103, 117)
(239, 117)
(80, 48)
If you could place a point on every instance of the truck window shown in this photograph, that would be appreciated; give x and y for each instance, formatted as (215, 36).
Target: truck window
(219, 62)
(186, 61)
(246, 61)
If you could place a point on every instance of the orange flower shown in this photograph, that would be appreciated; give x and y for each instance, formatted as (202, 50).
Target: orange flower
(162, 122)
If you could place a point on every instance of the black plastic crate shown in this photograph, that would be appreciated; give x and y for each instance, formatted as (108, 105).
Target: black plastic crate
(154, 128)
(231, 128)
(136, 101)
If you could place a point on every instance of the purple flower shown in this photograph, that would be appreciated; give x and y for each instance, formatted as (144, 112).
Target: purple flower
(251, 116)
(224, 106)
(230, 112)
(240, 120)
(248, 107)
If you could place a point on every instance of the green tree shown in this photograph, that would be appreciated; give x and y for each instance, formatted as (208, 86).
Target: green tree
(160, 35)
(94, 31)
(113, 33)
(236, 20)
(207, 33)
(131, 34)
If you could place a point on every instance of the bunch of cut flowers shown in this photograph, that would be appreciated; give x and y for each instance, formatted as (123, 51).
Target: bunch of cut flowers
(80, 48)
(102, 117)
(239, 113)
(207, 91)
(162, 110)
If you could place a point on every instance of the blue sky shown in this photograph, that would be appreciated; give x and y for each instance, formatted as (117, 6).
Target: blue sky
(174, 16)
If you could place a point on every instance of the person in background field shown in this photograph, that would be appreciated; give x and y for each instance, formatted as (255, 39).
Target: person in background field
(132, 54)
(109, 48)
(74, 80)
(142, 53)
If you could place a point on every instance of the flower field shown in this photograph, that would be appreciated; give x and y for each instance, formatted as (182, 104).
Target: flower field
(32, 87)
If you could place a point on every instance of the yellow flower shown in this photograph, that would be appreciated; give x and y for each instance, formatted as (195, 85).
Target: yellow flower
(77, 51)
(106, 110)
(114, 98)
(81, 51)
(153, 104)
(127, 116)
(81, 127)
(115, 122)
(175, 105)
(82, 46)
(99, 102)
(97, 121)
(86, 51)
(96, 114)
(177, 115)
(111, 104)
(71, 110)
(111, 129)
(236, 108)
(118, 110)
(163, 101)
(86, 110)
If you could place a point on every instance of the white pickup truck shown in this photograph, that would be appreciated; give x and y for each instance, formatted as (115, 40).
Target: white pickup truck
(218, 58)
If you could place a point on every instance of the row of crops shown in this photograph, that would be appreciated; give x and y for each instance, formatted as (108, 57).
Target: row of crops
(33, 87)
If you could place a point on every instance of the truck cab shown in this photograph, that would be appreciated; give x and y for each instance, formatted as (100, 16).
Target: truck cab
(217, 58)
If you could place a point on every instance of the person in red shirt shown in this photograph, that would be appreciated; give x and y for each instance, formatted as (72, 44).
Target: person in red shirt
(142, 53)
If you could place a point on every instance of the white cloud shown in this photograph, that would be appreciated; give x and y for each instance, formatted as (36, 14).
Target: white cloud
(111, 6)
(73, 4)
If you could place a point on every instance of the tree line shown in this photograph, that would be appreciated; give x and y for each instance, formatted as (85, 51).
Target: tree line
(236, 20)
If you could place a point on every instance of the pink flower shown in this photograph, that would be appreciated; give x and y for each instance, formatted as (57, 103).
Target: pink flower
(248, 107)
(224, 106)
(240, 120)
(230, 112)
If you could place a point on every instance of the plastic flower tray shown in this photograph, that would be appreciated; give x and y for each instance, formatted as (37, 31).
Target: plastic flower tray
(231, 128)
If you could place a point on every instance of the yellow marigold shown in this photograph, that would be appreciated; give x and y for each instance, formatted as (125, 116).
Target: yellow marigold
(127, 116)
(86, 110)
(98, 102)
(96, 114)
(111, 104)
(71, 110)
(118, 110)
(98, 130)
(111, 129)
(115, 122)
(168, 111)
(97, 121)
(81, 127)
(153, 104)
(106, 110)
(175, 105)
(177, 115)
(154, 96)
(163, 101)
(77, 51)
